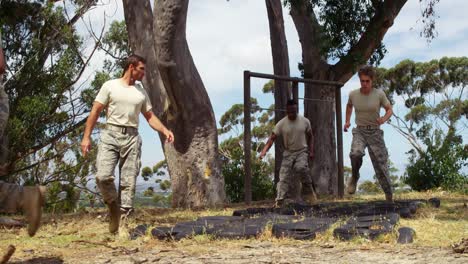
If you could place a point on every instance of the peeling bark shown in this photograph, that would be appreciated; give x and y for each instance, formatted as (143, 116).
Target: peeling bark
(279, 50)
(193, 158)
(139, 22)
(321, 111)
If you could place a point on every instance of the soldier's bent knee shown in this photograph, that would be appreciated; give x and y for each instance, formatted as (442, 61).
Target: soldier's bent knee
(356, 155)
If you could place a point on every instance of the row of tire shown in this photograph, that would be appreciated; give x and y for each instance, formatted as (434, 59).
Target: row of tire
(369, 220)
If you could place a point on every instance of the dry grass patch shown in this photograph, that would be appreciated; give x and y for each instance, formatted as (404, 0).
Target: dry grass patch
(85, 233)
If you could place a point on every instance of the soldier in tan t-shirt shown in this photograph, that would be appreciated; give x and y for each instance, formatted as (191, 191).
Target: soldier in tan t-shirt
(367, 101)
(298, 148)
(120, 142)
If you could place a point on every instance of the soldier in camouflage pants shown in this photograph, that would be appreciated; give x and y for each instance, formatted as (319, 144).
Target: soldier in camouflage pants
(367, 101)
(373, 140)
(124, 99)
(13, 197)
(125, 149)
(298, 144)
(295, 163)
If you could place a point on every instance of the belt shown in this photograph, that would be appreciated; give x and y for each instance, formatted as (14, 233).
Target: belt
(122, 129)
(369, 127)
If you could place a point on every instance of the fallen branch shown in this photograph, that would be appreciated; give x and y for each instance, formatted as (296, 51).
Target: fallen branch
(11, 249)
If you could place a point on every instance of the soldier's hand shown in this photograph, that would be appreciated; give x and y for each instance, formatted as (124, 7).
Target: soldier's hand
(346, 126)
(262, 155)
(85, 146)
(169, 136)
(311, 155)
(380, 120)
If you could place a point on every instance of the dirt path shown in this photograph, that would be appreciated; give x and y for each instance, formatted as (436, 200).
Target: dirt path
(260, 252)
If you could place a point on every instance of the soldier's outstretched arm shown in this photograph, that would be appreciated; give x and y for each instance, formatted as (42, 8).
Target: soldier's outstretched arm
(268, 145)
(157, 125)
(90, 123)
(349, 112)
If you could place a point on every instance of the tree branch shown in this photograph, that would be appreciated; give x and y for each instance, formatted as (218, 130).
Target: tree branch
(308, 29)
(358, 54)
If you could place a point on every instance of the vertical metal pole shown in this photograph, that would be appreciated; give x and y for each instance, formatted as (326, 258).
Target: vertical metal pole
(295, 92)
(247, 140)
(339, 137)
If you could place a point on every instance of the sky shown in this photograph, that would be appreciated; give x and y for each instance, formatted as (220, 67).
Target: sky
(228, 37)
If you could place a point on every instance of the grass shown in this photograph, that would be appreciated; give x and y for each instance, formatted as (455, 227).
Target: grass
(85, 233)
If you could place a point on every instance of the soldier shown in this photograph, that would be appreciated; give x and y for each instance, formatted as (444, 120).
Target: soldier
(120, 142)
(367, 102)
(298, 148)
(13, 197)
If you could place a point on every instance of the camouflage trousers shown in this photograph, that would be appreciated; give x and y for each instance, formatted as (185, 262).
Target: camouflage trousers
(373, 139)
(294, 168)
(123, 149)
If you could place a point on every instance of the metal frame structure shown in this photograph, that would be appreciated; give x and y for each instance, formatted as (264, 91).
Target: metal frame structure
(247, 128)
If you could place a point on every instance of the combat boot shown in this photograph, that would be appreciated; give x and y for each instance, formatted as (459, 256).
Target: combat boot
(351, 185)
(114, 216)
(31, 202)
(310, 198)
(389, 197)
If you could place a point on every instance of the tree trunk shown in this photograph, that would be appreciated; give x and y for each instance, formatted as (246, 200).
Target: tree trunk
(139, 21)
(279, 50)
(321, 109)
(193, 158)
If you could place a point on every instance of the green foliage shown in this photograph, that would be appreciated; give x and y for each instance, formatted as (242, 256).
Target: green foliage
(44, 64)
(342, 23)
(435, 96)
(374, 185)
(148, 192)
(146, 173)
(48, 102)
(62, 198)
(165, 185)
(369, 187)
(439, 166)
(115, 44)
(234, 173)
(161, 200)
(232, 152)
(160, 170)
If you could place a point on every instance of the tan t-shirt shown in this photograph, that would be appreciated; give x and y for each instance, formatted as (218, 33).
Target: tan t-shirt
(367, 106)
(124, 103)
(293, 132)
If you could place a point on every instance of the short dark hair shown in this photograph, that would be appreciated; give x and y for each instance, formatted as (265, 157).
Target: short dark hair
(291, 102)
(132, 60)
(367, 70)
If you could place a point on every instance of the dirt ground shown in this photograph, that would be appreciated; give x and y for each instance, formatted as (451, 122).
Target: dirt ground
(83, 238)
(257, 252)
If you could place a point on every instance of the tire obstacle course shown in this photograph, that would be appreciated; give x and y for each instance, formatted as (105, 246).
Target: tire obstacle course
(297, 221)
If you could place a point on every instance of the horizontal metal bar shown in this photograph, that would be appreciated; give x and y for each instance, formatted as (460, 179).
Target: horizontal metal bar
(268, 109)
(319, 100)
(292, 79)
